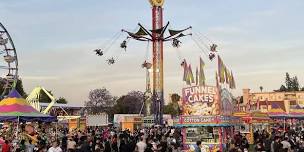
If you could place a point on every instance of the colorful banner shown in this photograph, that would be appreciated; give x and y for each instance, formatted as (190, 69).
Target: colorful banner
(207, 120)
(200, 100)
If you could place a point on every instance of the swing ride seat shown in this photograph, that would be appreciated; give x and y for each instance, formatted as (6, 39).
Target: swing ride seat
(123, 45)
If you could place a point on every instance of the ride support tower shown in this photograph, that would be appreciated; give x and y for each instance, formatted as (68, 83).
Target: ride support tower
(157, 56)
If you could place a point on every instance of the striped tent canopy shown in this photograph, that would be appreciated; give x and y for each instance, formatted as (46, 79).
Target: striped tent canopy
(277, 113)
(296, 112)
(16, 108)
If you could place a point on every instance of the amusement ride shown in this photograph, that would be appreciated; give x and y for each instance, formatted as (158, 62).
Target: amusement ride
(9, 64)
(157, 36)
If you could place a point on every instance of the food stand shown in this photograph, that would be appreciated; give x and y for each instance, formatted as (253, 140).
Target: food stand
(212, 131)
(203, 118)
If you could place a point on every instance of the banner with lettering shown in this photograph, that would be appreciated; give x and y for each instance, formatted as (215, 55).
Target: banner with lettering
(200, 100)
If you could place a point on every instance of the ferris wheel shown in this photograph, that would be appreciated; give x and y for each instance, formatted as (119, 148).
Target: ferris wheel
(9, 64)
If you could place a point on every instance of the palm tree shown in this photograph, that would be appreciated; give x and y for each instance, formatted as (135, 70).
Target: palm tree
(261, 88)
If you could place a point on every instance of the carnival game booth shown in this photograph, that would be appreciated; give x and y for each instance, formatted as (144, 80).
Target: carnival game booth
(250, 122)
(14, 110)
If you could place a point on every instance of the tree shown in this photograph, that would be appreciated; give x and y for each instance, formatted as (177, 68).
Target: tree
(99, 101)
(171, 109)
(261, 88)
(19, 87)
(282, 88)
(175, 97)
(291, 84)
(130, 103)
(288, 82)
(302, 89)
(295, 84)
(44, 98)
(61, 100)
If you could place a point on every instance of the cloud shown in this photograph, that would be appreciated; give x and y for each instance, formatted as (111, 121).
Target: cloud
(33, 78)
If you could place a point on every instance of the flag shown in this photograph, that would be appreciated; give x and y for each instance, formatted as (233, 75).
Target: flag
(196, 76)
(185, 66)
(230, 79)
(221, 70)
(216, 79)
(226, 75)
(190, 75)
(232, 82)
(202, 77)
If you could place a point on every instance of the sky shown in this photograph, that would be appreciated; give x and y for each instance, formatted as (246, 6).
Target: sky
(258, 40)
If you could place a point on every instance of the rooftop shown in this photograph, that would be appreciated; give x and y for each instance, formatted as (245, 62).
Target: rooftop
(62, 105)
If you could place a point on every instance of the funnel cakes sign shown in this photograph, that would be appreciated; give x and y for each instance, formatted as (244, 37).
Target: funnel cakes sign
(200, 100)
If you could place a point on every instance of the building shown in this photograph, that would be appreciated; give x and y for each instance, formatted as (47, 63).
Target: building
(266, 101)
(69, 116)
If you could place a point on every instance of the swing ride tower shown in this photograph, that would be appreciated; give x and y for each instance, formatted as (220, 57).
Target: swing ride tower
(157, 61)
(156, 36)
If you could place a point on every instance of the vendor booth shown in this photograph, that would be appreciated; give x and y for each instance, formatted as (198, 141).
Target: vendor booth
(207, 117)
(250, 122)
(212, 131)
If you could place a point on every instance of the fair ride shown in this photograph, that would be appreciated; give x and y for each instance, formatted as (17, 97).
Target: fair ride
(207, 109)
(9, 64)
(157, 37)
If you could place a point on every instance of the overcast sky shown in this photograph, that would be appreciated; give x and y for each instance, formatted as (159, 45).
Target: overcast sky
(258, 40)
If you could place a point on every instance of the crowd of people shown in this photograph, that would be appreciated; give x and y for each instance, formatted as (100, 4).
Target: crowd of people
(154, 139)
(277, 140)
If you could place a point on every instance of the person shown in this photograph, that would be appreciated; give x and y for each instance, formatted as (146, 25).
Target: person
(107, 146)
(260, 147)
(141, 145)
(22, 145)
(197, 148)
(64, 142)
(267, 142)
(286, 144)
(29, 147)
(71, 145)
(55, 147)
(85, 146)
(114, 143)
(277, 146)
(6, 147)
